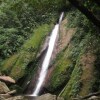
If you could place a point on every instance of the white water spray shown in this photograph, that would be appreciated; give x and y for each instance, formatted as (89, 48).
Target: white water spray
(47, 58)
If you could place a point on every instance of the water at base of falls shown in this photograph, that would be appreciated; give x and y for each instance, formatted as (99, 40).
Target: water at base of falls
(47, 58)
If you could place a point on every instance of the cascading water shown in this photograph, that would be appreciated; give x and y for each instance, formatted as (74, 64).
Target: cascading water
(47, 58)
(61, 17)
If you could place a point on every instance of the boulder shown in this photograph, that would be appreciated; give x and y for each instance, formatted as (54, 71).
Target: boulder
(17, 98)
(46, 97)
(7, 79)
(42, 97)
(49, 97)
(3, 88)
(60, 98)
(94, 98)
(12, 92)
(5, 96)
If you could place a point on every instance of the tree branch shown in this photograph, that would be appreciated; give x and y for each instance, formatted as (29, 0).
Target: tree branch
(87, 96)
(92, 94)
(86, 12)
(97, 2)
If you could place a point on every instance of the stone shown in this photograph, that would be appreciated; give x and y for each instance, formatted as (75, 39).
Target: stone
(7, 79)
(94, 98)
(3, 88)
(46, 97)
(12, 92)
(60, 98)
(42, 97)
(5, 96)
(2, 98)
(49, 97)
(17, 98)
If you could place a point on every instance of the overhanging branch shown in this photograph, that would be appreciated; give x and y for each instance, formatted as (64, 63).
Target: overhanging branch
(86, 12)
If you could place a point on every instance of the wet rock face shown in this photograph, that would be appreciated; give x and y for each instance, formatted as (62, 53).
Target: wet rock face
(3, 88)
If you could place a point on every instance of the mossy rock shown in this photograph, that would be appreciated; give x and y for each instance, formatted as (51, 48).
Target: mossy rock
(63, 68)
(7, 65)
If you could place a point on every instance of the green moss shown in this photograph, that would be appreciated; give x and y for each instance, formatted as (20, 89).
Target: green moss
(8, 64)
(95, 82)
(38, 36)
(72, 88)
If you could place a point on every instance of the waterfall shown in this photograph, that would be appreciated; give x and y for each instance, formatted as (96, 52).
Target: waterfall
(61, 17)
(47, 58)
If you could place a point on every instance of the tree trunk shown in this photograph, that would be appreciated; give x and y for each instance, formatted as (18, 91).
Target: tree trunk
(86, 12)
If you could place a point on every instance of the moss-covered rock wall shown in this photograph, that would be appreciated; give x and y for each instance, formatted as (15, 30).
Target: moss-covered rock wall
(76, 68)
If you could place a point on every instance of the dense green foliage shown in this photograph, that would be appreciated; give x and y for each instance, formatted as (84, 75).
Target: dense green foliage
(18, 18)
(24, 25)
